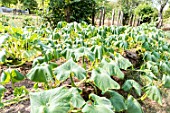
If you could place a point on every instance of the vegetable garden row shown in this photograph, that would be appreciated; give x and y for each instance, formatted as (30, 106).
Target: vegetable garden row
(104, 69)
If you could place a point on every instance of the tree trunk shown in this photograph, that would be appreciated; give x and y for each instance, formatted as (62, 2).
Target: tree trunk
(101, 15)
(68, 14)
(160, 17)
(104, 13)
(113, 17)
(93, 13)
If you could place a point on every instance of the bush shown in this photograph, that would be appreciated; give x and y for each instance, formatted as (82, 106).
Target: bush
(167, 13)
(146, 12)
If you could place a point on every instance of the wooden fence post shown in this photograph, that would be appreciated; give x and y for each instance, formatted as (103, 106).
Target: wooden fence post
(119, 12)
(93, 14)
(113, 17)
(101, 15)
(121, 18)
(133, 22)
(103, 18)
(68, 14)
(138, 21)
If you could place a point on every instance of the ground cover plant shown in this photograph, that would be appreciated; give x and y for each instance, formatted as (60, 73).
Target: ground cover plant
(78, 67)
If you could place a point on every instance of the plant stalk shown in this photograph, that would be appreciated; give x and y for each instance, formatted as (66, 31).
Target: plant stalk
(72, 81)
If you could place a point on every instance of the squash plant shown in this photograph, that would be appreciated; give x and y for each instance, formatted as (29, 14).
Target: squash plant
(97, 73)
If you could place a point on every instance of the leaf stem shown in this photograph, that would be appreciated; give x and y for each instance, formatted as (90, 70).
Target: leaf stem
(72, 81)
(84, 64)
(15, 100)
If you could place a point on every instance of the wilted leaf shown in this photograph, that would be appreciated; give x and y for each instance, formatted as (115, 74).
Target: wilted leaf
(96, 109)
(153, 93)
(166, 81)
(117, 100)
(98, 51)
(133, 105)
(122, 62)
(41, 73)
(103, 80)
(83, 51)
(100, 105)
(129, 84)
(76, 100)
(63, 72)
(111, 67)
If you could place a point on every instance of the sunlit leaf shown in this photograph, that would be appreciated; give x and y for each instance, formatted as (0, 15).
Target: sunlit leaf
(52, 101)
(76, 100)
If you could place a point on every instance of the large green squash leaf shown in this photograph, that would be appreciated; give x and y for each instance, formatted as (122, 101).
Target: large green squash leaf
(67, 53)
(96, 109)
(152, 66)
(16, 76)
(165, 68)
(103, 80)
(98, 51)
(133, 105)
(83, 51)
(76, 99)
(122, 62)
(2, 56)
(5, 78)
(166, 81)
(146, 45)
(52, 101)
(129, 84)
(111, 67)
(100, 105)
(153, 93)
(38, 60)
(11, 75)
(41, 73)
(2, 90)
(117, 100)
(154, 56)
(3, 38)
(63, 72)
(100, 100)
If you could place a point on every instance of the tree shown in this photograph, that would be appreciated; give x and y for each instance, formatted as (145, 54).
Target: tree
(30, 4)
(8, 2)
(70, 11)
(167, 13)
(160, 4)
(146, 11)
